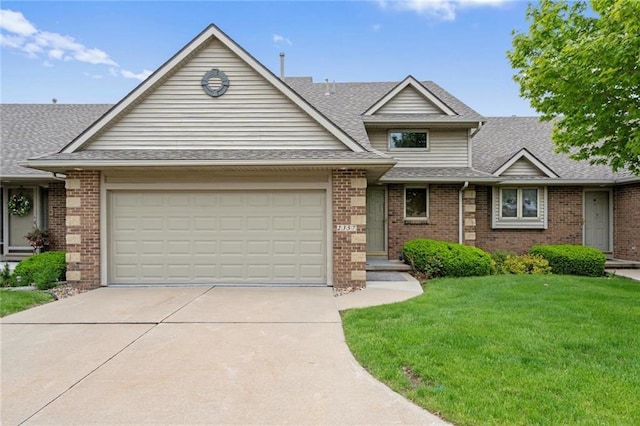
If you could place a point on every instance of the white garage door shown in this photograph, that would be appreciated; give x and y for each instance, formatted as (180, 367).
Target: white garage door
(231, 237)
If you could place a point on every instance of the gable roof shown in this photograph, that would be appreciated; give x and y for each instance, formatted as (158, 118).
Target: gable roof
(501, 139)
(524, 154)
(346, 104)
(409, 82)
(178, 60)
(33, 130)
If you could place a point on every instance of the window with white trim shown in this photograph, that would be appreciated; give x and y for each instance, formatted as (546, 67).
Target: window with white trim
(519, 207)
(409, 139)
(416, 203)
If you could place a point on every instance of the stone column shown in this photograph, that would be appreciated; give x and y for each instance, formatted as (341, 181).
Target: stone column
(469, 215)
(83, 228)
(349, 229)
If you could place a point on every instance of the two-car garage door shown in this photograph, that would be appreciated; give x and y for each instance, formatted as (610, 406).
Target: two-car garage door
(230, 237)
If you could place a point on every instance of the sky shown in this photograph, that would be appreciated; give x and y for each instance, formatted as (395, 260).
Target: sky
(98, 51)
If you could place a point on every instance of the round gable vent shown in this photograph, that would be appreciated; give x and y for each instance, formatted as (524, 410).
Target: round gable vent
(215, 82)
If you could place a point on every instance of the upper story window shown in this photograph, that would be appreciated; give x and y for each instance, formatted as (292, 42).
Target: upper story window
(410, 139)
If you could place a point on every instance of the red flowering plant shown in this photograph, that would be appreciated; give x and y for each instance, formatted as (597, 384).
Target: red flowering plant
(38, 239)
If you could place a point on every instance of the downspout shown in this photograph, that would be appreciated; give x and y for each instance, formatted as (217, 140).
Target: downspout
(461, 213)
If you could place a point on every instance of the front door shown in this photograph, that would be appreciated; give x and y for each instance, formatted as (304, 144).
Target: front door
(16, 226)
(596, 220)
(376, 226)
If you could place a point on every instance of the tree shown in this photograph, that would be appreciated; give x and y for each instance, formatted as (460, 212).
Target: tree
(581, 69)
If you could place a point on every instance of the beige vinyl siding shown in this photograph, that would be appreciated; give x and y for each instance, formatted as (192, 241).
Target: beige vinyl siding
(252, 114)
(409, 101)
(523, 167)
(447, 148)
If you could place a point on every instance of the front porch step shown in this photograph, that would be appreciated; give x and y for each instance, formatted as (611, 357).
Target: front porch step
(621, 264)
(385, 265)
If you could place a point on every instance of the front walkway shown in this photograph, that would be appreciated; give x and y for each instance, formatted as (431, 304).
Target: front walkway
(193, 355)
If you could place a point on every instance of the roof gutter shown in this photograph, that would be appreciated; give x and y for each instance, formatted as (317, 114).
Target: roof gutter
(62, 165)
(475, 132)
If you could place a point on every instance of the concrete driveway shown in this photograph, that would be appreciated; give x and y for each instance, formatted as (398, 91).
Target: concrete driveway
(203, 355)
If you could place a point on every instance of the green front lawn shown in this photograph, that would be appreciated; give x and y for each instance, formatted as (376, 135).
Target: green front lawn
(506, 349)
(16, 301)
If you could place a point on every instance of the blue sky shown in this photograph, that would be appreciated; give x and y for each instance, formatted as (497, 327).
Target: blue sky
(96, 52)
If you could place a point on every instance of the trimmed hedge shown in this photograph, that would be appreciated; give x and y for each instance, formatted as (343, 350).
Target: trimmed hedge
(442, 259)
(43, 269)
(567, 259)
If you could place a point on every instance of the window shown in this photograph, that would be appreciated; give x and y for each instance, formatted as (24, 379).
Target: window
(415, 203)
(519, 203)
(519, 208)
(409, 139)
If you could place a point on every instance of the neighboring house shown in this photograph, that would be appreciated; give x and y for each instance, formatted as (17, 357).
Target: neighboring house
(214, 170)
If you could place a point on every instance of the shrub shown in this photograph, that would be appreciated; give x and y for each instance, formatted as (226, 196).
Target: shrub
(7, 279)
(569, 259)
(526, 264)
(443, 259)
(499, 258)
(46, 267)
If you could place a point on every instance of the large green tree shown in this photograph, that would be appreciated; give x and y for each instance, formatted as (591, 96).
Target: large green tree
(580, 66)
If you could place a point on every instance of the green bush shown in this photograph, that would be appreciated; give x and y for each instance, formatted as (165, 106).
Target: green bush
(526, 264)
(569, 259)
(443, 259)
(7, 279)
(499, 258)
(42, 269)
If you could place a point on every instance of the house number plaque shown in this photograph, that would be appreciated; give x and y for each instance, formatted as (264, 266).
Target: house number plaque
(346, 228)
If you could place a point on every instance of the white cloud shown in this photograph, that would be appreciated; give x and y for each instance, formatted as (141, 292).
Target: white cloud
(376, 27)
(16, 23)
(139, 76)
(21, 35)
(277, 38)
(11, 41)
(444, 10)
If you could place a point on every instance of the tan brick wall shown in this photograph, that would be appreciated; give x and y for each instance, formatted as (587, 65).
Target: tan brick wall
(626, 212)
(56, 200)
(564, 212)
(83, 235)
(349, 205)
(442, 223)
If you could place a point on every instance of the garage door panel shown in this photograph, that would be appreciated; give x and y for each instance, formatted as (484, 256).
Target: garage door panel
(217, 237)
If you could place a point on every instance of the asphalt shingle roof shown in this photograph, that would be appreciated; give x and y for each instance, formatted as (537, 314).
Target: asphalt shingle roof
(216, 155)
(33, 130)
(346, 102)
(503, 137)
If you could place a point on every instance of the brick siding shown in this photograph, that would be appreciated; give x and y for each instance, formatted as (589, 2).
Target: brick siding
(349, 247)
(564, 210)
(626, 236)
(83, 228)
(56, 200)
(441, 225)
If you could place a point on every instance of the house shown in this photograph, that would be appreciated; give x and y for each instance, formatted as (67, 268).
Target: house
(215, 170)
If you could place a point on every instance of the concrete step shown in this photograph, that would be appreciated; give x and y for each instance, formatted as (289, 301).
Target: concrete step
(379, 265)
(621, 264)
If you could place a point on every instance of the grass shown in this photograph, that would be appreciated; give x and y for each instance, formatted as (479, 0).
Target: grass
(510, 349)
(16, 301)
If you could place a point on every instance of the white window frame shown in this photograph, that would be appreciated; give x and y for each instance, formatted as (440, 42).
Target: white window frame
(519, 200)
(392, 148)
(519, 222)
(404, 197)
